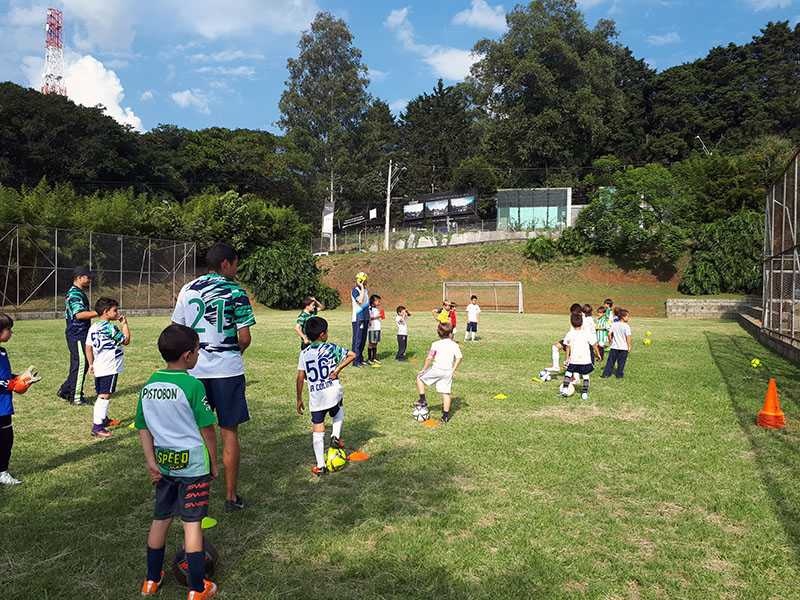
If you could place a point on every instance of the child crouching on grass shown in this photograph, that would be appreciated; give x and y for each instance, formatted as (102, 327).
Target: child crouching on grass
(580, 343)
(9, 383)
(176, 430)
(440, 367)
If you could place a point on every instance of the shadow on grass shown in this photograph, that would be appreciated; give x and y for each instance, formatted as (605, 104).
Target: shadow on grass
(775, 451)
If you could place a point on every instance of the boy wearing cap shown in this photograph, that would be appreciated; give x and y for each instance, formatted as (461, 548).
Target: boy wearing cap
(78, 318)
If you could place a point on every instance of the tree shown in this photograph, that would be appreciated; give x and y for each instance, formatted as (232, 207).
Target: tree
(325, 98)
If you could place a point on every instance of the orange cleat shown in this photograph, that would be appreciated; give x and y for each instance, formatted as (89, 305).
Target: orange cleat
(150, 588)
(107, 422)
(319, 471)
(209, 592)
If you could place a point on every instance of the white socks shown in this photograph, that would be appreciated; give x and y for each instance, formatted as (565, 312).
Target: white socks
(555, 356)
(318, 438)
(100, 410)
(338, 421)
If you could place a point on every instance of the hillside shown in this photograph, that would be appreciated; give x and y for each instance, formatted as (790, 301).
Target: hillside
(414, 277)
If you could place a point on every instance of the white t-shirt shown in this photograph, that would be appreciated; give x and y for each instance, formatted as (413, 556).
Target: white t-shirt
(106, 342)
(317, 361)
(588, 324)
(620, 331)
(473, 310)
(580, 344)
(444, 352)
(402, 325)
(374, 319)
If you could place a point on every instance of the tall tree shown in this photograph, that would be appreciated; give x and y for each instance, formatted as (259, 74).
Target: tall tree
(325, 98)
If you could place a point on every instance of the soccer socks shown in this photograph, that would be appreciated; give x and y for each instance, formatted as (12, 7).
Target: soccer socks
(197, 570)
(585, 389)
(338, 421)
(318, 439)
(555, 356)
(567, 378)
(100, 410)
(6, 443)
(155, 563)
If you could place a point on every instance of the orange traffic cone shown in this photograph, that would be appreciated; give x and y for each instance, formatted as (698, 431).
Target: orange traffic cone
(771, 416)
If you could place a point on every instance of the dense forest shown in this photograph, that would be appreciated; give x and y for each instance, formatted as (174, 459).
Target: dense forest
(551, 102)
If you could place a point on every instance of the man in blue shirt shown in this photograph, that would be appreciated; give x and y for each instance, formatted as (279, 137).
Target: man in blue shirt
(359, 296)
(78, 318)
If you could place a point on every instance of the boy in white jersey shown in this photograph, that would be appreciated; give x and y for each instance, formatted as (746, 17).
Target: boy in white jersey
(440, 367)
(402, 332)
(105, 356)
(473, 310)
(320, 365)
(376, 315)
(580, 343)
(176, 430)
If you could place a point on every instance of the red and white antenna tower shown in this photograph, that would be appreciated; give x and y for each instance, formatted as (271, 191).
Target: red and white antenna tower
(54, 54)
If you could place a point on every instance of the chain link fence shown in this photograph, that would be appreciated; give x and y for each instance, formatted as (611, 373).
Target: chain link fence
(142, 274)
(781, 293)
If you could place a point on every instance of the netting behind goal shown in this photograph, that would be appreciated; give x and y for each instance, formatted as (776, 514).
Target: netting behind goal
(497, 296)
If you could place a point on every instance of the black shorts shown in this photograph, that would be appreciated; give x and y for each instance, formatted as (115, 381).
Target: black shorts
(579, 369)
(318, 416)
(374, 336)
(472, 326)
(226, 396)
(107, 384)
(184, 497)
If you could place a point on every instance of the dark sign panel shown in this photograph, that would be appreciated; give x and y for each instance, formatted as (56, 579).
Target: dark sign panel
(414, 211)
(440, 206)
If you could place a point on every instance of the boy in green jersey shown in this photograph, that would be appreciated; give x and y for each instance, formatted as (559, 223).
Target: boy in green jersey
(176, 429)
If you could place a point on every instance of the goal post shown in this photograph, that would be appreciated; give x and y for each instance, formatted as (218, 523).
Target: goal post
(495, 296)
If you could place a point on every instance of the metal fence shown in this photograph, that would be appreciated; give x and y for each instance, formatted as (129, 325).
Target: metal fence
(36, 265)
(781, 293)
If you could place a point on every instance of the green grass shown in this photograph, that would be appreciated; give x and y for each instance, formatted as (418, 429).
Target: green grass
(660, 487)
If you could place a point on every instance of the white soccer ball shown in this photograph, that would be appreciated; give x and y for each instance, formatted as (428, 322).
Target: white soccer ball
(545, 375)
(567, 390)
(421, 413)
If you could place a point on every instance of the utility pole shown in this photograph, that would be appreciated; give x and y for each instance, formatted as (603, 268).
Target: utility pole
(388, 208)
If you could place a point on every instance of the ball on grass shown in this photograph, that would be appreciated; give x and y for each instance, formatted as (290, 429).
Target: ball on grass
(567, 390)
(647, 341)
(180, 565)
(755, 363)
(335, 459)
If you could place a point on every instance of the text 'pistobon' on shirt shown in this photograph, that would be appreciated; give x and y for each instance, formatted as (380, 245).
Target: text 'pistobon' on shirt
(317, 362)
(216, 308)
(173, 407)
(76, 301)
(106, 342)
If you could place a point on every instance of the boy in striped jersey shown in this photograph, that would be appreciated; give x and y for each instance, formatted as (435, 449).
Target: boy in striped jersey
(79, 317)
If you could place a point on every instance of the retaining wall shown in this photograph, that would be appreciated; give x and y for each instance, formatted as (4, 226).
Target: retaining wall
(709, 308)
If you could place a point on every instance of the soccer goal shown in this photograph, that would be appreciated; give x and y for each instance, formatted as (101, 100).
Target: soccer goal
(497, 296)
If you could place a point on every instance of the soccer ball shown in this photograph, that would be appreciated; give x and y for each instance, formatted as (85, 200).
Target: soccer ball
(648, 333)
(336, 459)
(545, 376)
(647, 341)
(567, 390)
(361, 277)
(180, 564)
(421, 413)
(755, 363)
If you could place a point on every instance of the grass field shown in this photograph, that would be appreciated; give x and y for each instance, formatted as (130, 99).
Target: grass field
(660, 487)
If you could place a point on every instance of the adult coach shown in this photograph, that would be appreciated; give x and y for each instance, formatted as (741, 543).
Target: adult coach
(79, 317)
(359, 297)
(218, 309)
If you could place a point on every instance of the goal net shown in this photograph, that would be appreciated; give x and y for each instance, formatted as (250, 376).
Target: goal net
(497, 296)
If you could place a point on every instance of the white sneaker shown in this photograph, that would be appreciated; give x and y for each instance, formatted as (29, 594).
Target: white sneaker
(7, 479)
(584, 396)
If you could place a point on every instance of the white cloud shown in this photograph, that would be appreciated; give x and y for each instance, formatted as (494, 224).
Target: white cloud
(191, 99)
(225, 56)
(759, 5)
(147, 96)
(483, 16)
(587, 4)
(241, 71)
(398, 106)
(31, 16)
(220, 18)
(376, 75)
(664, 39)
(446, 62)
(101, 24)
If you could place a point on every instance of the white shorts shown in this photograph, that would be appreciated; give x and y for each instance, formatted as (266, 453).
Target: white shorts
(443, 378)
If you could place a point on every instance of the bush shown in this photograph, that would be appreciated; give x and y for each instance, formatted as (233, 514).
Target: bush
(572, 242)
(540, 249)
(282, 275)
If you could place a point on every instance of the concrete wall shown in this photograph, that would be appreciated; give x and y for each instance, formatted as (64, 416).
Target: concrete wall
(753, 326)
(708, 308)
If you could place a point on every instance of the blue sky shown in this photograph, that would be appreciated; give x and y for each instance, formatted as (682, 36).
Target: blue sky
(203, 63)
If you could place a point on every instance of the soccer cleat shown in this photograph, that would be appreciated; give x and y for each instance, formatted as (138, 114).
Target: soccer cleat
(79, 402)
(235, 504)
(337, 442)
(209, 591)
(7, 479)
(375, 364)
(107, 422)
(445, 419)
(150, 587)
(319, 471)
(99, 431)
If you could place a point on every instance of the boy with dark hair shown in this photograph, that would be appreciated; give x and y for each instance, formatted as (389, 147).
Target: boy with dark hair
(374, 330)
(608, 304)
(176, 430)
(218, 309)
(79, 317)
(311, 306)
(320, 364)
(105, 356)
(602, 327)
(579, 343)
(439, 368)
(402, 332)
(473, 313)
(9, 383)
(621, 340)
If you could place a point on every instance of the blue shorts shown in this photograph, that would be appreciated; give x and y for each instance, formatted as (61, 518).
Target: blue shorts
(579, 369)
(107, 384)
(226, 396)
(472, 326)
(318, 416)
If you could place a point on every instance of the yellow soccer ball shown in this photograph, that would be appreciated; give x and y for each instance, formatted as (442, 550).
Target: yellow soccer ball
(647, 342)
(755, 363)
(335, 459)
(361, 277)
(648, 333)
